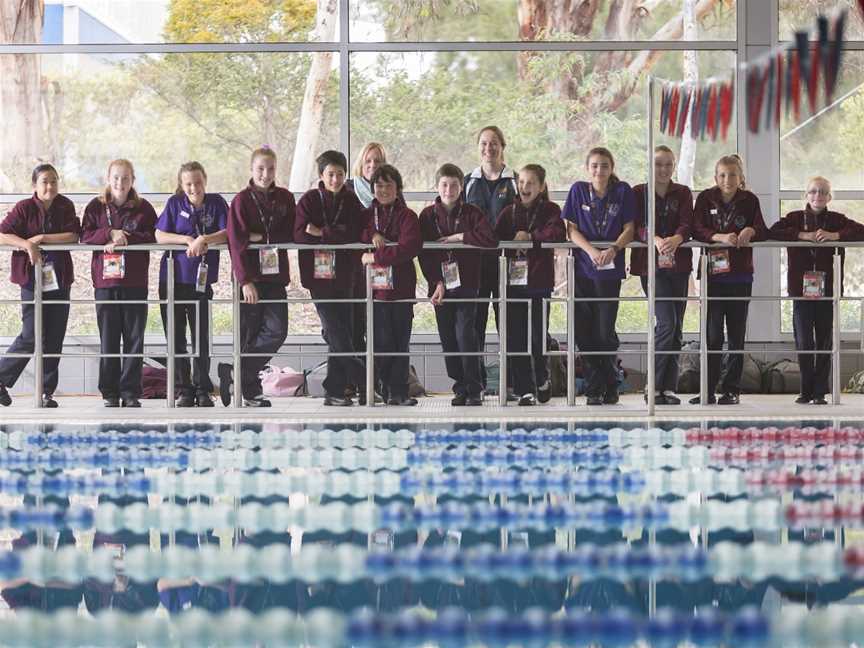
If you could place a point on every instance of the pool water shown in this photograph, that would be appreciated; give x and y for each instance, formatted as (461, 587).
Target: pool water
(556, 534)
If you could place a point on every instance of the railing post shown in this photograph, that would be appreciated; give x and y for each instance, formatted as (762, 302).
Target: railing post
(652, 265)
(235, 329)
(38, 327)
(502, 329)
(571, 329)
(703, 327)
(370, 337)
(171, 346)
(835, 342)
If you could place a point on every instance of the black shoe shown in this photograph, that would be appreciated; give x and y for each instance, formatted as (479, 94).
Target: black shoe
(111, 402)
(594, 400)
(819, 400)
(48, 401)
(670, 399)
(511, 396)
(459, 400)
(256, 401)
(544, 392)
(336, 401)
(527, 399)
(712, 400)
(803, 399)
(728, 399)
(5, 398)
(659, 398)
(225, 383)
(407, 401)
(204, 400)
(185, 400)
(361, 399)
(130, 402)
(610, 397)
(474, 401)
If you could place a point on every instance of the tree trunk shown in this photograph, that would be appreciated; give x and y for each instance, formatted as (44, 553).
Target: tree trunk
(312, 112)
(687, 157)
(21, 132)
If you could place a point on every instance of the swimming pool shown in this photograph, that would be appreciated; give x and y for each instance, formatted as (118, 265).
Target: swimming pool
(437, 534)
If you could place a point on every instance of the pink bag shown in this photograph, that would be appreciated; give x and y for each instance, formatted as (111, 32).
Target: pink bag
(282, 382)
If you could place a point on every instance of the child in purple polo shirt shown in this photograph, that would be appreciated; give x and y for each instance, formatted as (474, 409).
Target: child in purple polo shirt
(46, 217)
(118, 219)
(600, 210)
(197, 220)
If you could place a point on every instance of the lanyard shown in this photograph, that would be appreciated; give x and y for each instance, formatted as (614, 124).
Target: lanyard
(807, 215)
(340, 203)
(599, 223)
(266, 221)
(389, 220)
(451, 230)
(108, 211)
(532, 213)
(725, 214)
(46, 221)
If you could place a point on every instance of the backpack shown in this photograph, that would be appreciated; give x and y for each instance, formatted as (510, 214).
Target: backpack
(856, 383)
(781, 377)
(282, 382)
(688, 370)
(154, 382)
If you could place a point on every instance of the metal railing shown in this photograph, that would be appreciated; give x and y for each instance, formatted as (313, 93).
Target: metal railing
(502, 300)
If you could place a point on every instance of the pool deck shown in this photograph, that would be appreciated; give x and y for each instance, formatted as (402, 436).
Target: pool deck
(437, 408)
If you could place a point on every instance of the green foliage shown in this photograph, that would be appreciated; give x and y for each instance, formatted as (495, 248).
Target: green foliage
(239, 21)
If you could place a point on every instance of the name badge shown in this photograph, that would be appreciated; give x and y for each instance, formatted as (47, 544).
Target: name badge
(269, 260)
(814, 284)
(586, 208)
(718, 261)
(113, 265)
(382, 277)
(324, 264)
(713, 211)
(666, 261)
(517, 273)
(49, 277)
(184, 215)
(201, 278)
(450, 272)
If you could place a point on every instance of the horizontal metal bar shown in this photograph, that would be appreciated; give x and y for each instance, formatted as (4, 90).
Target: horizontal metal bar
(368, 47)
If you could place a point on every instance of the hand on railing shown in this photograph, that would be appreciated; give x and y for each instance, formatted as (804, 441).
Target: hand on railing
(378, 241)
(819, 236)
(437, 297)
(250, 293)
(32, 250)
(197, 247)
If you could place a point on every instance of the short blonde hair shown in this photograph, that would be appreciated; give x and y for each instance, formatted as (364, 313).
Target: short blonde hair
(821, 180)
(732, 160)
(357, 169)
(105, 196)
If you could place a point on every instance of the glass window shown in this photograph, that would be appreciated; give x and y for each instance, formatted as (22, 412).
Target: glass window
(853, 271)
(832, 143)
(532, 20)
(799, 15)
(553, 107)
(84, 22)
(80, 110)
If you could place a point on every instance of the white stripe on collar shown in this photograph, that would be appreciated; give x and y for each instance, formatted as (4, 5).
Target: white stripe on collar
(506, 172)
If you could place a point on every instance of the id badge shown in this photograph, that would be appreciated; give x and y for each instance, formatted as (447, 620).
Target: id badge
(382, 277)
(113, 265)
(450, 272)
(666, 261)
(718, 260)
(518, 272)
(814, 284)
(49, 277)
(325, 264)
(201, 278)
(269, 260)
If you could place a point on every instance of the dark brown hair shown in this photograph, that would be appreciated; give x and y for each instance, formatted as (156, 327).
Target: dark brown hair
(188, 167)
(603, 152)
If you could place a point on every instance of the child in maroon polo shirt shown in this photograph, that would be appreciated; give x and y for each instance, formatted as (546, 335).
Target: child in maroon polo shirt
(455, 274)
(332, 214)
(260, 213)
(46, 217)
(533, 217)
(394, 280)
(119, 219)
(728, 214)
(810, 274)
